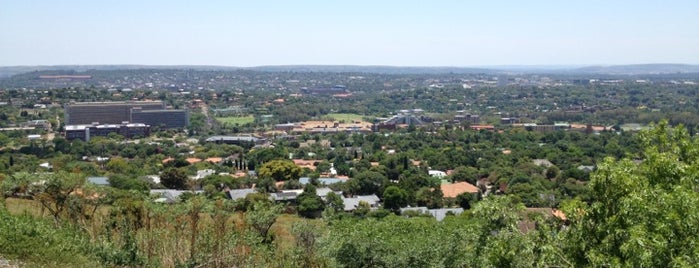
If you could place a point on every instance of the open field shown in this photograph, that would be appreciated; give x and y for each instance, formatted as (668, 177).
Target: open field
(345, 117)
(239, 120)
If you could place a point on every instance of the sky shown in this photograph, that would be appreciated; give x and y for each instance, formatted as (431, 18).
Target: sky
(462, 33)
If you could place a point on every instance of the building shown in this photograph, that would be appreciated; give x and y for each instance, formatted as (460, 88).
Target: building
(160, 118)
(115, 112)
(85, 132)
(243, 141)
(462, 117)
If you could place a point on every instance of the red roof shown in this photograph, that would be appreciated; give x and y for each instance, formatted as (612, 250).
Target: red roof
(454, 189)
(214, 159)
(193, 160)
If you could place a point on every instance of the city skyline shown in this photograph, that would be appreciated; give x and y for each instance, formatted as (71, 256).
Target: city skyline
(393, 33)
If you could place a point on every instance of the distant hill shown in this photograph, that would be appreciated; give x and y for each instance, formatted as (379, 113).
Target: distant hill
(372, 69)
(7, 71)
(639, 69)
(636, 69)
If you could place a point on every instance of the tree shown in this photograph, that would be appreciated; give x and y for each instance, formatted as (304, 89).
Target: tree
(280, 170)
(641, 215)
(306, 234)
(334, 201)
(124, 182)
(117, 165)
(310, 204)
(394, 198)
(57, 192)
(174, 178)
(552, 172)
(261, 218)
(467, 174)
(367, 182)
(466, 200)
(323, 167)
(431, 198)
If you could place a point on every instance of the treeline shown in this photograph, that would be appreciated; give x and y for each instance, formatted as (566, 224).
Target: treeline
(638, 215)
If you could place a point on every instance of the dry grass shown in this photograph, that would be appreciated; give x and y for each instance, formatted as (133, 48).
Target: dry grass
(17, 206)
(165, 237)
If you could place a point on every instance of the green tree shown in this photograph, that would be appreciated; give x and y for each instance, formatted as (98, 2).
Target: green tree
(641, 215)
(280, 170)
(334, 201)
(174, 178)
(56, 193)
(310, 204)
(367, 182)
(261, 218)
(467, 174)
(394, 198)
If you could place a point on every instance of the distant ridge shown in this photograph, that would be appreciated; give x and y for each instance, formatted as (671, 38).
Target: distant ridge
(634, 69)
(640, 69)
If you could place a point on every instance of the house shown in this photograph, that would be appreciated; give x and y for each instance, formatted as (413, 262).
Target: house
(283, 196)
(101, 181)
(239, 193)
(542, 163)
(352, 203)
(169, 195)
(203, 174)
(192, 160)
(322, 181)
(323, 192)
(438, 213)
(418, 210)
(454, 189)
(437, 173)
(214, 160)
(309, 164)
(46, 165)
(586, 168)
(291, 195)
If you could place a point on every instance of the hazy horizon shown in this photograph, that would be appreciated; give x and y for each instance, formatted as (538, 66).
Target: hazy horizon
(361, 33)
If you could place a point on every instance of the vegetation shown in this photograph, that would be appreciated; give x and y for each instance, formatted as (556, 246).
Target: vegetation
(236, 120)
(554, 198)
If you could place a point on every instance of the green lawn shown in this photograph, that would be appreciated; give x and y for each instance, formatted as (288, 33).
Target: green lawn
(345, 117)
(240, 120)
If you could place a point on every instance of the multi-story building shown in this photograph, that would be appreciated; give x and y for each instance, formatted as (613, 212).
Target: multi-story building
(114, 112)
(160, 118)
(151, 113)
(85, 132)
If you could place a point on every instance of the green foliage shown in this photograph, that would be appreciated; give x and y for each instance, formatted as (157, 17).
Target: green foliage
(641, 214)
(334, 201)
(37, 242)
(127, 183)
(430, 198)
(367, 182)
(279, 170)
(394, 198)
(261, 218)
(310, 204)
(174, 178)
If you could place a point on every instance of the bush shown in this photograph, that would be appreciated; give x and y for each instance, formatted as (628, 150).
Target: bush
(39, 242)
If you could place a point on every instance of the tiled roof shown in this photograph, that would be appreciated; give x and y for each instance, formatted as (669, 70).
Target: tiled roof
(454, 189)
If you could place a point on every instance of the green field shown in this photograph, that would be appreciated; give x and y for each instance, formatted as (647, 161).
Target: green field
(233, 120)
(345, 117)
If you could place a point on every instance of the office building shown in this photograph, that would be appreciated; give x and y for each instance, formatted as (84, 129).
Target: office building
(115, 112)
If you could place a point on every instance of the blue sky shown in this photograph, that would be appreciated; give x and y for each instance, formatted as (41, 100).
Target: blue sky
(401, 33)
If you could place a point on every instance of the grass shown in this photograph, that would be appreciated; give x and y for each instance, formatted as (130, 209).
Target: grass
(163, 244)
(345, 117)
(17, 206)
(39, 243)
(239, 120)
